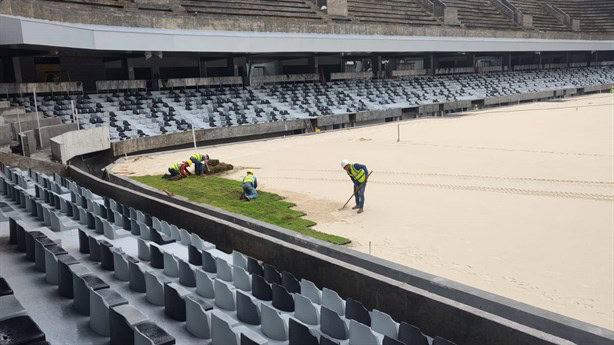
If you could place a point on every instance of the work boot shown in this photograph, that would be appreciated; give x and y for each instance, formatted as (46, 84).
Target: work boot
(355, 207)
(360, 210)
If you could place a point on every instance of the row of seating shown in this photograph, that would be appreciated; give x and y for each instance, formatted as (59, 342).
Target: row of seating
(16, 326)
(135, 114)
(228, 298)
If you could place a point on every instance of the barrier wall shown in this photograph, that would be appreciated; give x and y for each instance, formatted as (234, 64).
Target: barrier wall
(285, 78)
(44, 134)
(26, 163)
(20, 88)
(202, 135)
(32, 124)
(120, 84)
(74, 143)
(406, 294)
(188, 82)
(351, 75)
(5, 135)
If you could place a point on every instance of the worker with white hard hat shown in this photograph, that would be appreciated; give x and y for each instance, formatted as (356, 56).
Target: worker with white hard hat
(358, 173)
(250, 183)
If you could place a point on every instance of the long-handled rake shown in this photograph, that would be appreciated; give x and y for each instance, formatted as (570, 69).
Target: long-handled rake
(356, 190)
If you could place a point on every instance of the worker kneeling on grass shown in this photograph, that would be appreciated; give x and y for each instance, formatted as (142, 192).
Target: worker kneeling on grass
(178, 170)
(200, 162)
(358, 173)
(250, 183)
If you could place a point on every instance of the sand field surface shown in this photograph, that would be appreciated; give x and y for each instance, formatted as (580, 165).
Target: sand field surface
(517, 201)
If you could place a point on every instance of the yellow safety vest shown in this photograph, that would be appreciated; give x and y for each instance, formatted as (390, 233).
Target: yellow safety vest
(176, 166)
(358, 175)
(249, 178)
(198, 156)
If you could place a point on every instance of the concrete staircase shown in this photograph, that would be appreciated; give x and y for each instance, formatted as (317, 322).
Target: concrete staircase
(391, 12)
(284, 9)
(481, 14)
(594, 15)
(542, 20)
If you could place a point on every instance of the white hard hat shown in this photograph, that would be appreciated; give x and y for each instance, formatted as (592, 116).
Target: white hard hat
(344, 163)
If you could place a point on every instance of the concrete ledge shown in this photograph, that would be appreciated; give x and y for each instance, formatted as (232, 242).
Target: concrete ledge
(44, 134)
(364, 116)
(220, 133)
(5, 135)
(457, 105)
(434, 304)
(19, 88)
(74, 143)
(25, 163)
(330, 120)
(428, 108)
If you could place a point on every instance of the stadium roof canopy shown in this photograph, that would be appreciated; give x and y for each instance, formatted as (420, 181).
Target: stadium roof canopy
(19, 31)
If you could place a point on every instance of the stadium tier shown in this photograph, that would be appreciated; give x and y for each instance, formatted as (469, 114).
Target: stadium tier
(75, 237)
(133, 114)
(547, 15)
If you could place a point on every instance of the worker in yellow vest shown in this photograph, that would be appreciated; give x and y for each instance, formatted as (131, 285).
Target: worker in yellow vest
(358, 174)
(250, 183)
(179, 170)
(200, 163)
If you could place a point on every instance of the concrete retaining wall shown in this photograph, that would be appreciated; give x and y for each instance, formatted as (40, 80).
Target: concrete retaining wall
(428, 108)
(120, 84)
(406, 294)
(74, 143)
(284, 78)
(6, 135)
(365, 116)
(27, 142)
(330, 120)
(32, 124)
(19, 88)
(212, 81)
(46, 133)
(202, 135)
(25, 163)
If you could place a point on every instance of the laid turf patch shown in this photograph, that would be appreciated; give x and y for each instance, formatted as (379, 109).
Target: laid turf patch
(224, 193)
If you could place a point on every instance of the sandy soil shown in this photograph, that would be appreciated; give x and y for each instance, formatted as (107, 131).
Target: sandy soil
(518, 201)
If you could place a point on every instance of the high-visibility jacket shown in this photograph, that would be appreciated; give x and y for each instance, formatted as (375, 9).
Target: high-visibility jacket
(358, 175)
(249, 178)
(176, 166)
(198, 156)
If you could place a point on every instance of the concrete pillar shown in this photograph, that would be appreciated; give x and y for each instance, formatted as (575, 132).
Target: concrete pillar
(313, 63)
(10, 71)
(230, 66)
(129, 68)
(589, 57)
(16, 70)
(432, 64)
(376, 62)
(28, 70)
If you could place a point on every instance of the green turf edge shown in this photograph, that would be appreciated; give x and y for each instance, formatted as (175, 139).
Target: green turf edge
(224, 193)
